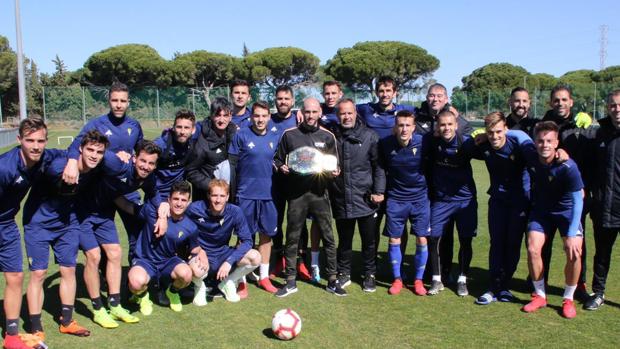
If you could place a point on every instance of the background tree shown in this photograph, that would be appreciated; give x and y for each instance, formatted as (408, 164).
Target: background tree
(8, 77)
(281, 65)
(494, 76)
(358, 66)
(209, 69)
(133, 64)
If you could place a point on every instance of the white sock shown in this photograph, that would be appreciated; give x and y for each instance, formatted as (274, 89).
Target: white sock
(437, 278)
(314, 257)
(239, 273)
(539, 287)
(198, 282)
(569, 291)
(243, 280)
(462, 278)
(264, 270)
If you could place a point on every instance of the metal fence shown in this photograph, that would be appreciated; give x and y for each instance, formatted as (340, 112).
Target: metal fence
(75, 105)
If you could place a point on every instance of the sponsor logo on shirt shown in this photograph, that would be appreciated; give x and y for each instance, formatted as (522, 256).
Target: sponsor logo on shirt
(319, 144)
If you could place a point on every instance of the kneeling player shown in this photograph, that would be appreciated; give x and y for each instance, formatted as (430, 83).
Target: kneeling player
(403, 154)
(557, 205)
(217, 221)
(50, 220)
(156, 253)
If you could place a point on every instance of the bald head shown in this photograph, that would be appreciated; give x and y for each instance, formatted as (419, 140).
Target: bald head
(311, 111)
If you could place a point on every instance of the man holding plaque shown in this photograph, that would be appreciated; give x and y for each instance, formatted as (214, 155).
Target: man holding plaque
(307, 157)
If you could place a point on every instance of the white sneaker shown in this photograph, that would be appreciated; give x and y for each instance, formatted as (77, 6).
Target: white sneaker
(200, 295)
(229, 289)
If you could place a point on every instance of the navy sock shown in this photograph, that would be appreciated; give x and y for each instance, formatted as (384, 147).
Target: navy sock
(35, 323)
(396, 259)
(114, 299)
(66, 313)
(97, 303)
(421, 256)
(12, 327)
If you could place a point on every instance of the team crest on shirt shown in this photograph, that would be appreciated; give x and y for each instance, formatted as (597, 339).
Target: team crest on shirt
(550, 178)
(221, 222)
(19, 180)
(271, 145)
(201, 220)
(129, 131)
(124, 179)
(414, 151)
(486, 153)
(108, 133)
(251, 145)
(274, 129)
(218, 151)
(180, 234)
(425, 125)
(602, 145)
(512, 157)
(393, 152)
(319, 144)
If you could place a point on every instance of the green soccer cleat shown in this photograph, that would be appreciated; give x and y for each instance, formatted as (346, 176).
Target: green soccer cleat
(120, 313)
(103, 319)
(175, 300)
(146, 305)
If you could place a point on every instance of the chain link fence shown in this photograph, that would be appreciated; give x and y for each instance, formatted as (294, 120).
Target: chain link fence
(72, 106)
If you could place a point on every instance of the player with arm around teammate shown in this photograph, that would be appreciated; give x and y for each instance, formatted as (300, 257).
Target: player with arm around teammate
(157, 253)
(50, 220)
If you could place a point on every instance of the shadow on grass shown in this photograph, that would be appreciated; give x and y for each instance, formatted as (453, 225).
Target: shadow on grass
(268, 332)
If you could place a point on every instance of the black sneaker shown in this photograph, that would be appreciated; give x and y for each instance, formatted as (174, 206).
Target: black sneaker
(334, 287)
(289, 288)
(369, 284)
(344, 280)
(595, 302)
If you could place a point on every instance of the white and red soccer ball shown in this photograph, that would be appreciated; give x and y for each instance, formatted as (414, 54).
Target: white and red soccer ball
(286, 324)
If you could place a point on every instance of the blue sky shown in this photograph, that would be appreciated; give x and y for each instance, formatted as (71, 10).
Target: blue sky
(551, 37)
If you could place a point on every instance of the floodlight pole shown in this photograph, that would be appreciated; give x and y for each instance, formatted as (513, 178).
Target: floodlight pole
(20, 65)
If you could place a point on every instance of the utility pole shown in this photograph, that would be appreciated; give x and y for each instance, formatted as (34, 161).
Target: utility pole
(21, 82)
(603, 50)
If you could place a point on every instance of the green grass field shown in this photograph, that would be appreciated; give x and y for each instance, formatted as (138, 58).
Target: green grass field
(360, 320)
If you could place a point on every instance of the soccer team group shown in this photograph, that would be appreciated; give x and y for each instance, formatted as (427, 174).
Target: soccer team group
(395, 161)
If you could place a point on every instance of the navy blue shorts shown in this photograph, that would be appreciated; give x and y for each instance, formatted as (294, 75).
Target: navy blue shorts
(11, 258)
(64, 242)
(96, 231)
(217, 259)
(464, 213)
(261, 215)
(548, 223)
(158, 270)
(398, 212)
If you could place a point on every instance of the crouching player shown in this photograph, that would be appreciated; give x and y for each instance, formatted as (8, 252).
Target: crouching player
(50, 220)
(217, 221)
(157, 252)
(403, 156)
(557, 204)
